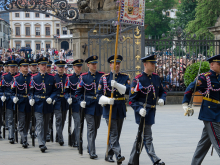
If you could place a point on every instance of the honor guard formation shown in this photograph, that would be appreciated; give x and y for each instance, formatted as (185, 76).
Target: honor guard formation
(32, 99)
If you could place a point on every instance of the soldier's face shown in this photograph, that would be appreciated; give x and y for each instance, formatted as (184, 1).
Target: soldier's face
(117, 66)
(77, 69)
(92, 67)
(33, 68)
(48, 69)
(60, 70)
(215, 66)
(42, 67)
(24, 68)
(12, 69)
(1, 68)
(6, 68)
(150, 66)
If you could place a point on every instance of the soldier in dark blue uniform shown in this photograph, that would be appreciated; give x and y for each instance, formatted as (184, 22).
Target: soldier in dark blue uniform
(6, 82)
(89, 82)
(33, 67)
(20, 90)
(60, 106)
(121, 86)
(1, 104)
(208, 85)
(49, 67)
(146, 82)
(6, 67)
(71, 85)
(44, 94)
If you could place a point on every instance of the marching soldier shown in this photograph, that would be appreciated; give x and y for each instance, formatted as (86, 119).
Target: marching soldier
(93, 111)
(33, 67)
(49, 67)
(21, 82)
(1, 105)
(121, 85)
(7, 79)
(44, 93)
(60, 106)
(146, 85)
(6, 67)
(208, 84)
(73, 80)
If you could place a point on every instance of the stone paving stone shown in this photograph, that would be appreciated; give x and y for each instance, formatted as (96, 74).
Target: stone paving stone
(174, 136)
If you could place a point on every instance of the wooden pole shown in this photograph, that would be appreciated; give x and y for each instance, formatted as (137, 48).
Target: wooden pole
(112, 92)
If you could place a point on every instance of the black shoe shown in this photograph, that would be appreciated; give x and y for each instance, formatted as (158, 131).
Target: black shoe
(109, 159)
(48, 139)
(6, 128)
(93, 156)
(158, 163)
(25, 145)
(120, 159)
(12, 141)
(75, 145)
(21, 142)
(61, 143)
(43, 148)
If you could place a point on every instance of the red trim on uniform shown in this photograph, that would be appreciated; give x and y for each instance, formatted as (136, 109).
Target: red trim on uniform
(130, 103)
(138, 76)
(84, 74)
(154, 74)
(165, 92)
(102, 72)
(76, 96)
(17, 75)
(51, 74)
(216, 138)
(188, 92)
(4, 74)
(34, 74)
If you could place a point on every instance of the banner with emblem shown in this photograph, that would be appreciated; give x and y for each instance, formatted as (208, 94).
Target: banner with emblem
(132, 12)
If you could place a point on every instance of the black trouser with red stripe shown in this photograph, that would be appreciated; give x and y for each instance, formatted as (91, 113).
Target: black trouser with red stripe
(210, 136)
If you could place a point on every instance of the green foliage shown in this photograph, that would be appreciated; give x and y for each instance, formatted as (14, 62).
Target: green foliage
(207, 12)
(178, 51)
(192, 71)
(186, 12)
(158, 23)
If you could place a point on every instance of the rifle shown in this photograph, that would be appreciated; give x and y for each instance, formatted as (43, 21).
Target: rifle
(70, 123)
(82, 116)
(139, 141)
(51, 127)
(16, 118)
(4, 112)
(33, 121)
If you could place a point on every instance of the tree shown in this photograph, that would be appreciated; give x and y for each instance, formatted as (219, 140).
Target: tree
(158, 23)
(207, 13)
(185, 13)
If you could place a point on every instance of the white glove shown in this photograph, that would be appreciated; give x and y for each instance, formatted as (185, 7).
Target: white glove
(15, 100)
(188, 110)
(69, 101)
(54, 102)
(111, 101)
(31, 102)
(142, 112)
(121, 88)
(49, 100)
(3, 98)
(83, 104)
(161, 102)
(105, 100)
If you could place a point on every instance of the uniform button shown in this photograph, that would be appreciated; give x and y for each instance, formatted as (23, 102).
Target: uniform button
(49, 84)
(150, 78)
(61, 80)
(153, 98)
(42, 77)
(25, 77)
(94, 76)
(43, 92)
(115, 77)
(25, 81)
(116, 95)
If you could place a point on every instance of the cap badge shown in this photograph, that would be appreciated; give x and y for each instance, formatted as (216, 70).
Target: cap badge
(25, 60)
(12, 61)
(94, 57)
(43, 58)
(79, 60)
(61, 62)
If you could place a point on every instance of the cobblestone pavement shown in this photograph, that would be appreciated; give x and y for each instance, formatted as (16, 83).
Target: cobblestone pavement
(174, 136)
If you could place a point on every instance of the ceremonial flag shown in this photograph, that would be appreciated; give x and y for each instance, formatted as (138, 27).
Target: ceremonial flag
(138, 87)
(14, 84)
(2, 82)
(133, 12)
(80, 84)
(31, 85)
(67, 84)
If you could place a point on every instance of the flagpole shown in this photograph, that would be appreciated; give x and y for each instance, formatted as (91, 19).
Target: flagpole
(112, 92)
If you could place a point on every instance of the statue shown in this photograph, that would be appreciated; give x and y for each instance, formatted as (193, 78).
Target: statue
(94, 6)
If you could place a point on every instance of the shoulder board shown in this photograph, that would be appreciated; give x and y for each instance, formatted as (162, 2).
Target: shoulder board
(125, 74)
(84, 74)
(105, 74)
(207, 74)
(102, 72)
(34, 74)
(155, 74)
(4, 74)
(51, 74)
(138, 76)
(17, 75)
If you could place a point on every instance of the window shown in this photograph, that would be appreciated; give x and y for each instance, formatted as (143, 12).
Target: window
(17, 29)
(0, 27)
(37, 15)
(47, 15)
(58, 32)
(37, 46)
(37, 31)
(47, 46)
(27, 31)
(57, 25)
(47, 31)
(64, 31)
(17, 15)
(71, 32)
(28, 45)
(17, 46)
(167, 13)
(27, 15)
